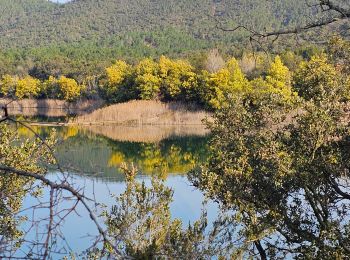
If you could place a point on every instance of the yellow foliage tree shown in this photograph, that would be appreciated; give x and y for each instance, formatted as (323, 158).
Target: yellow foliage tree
(277, 82)
(8, 85)
(117, 73)
(119, 85)
(316, 79)
(278, 73)
(177, 76)
(147, 79)
(69, 89)
(27, 87)
(218, 87)
(237, 79)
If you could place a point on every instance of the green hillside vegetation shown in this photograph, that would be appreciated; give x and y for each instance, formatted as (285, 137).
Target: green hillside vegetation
(84, 36)
(39, 22)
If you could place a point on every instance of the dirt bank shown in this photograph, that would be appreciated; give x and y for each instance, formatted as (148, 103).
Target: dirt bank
(50, 107)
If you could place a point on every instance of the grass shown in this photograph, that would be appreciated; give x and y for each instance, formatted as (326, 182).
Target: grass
(142, 112)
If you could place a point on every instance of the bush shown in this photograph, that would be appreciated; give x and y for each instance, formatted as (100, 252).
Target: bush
(316, 79)
(27, 87)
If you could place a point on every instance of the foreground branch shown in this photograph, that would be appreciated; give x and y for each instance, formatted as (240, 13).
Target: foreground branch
(76, 194)
(341, 14)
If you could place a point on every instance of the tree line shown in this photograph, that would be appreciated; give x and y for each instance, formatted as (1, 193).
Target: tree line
(209, 83)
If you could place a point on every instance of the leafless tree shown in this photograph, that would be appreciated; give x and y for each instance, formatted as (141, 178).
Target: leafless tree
(214, 62)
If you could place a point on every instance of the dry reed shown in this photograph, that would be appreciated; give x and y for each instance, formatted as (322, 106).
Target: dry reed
(144, 112)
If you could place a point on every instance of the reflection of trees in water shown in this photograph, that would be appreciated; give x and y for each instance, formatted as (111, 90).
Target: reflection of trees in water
(104, 156)
(177, 155)
(87, 153)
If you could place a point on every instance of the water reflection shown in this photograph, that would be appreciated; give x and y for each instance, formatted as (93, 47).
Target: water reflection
(146, 133)
(85, 152)
(94, 160)
(186, 205)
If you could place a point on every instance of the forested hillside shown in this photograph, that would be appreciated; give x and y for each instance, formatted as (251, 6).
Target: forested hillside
(28, 23)
(44, 36)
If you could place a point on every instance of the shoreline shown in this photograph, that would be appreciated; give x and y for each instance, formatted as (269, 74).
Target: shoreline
(50, 107)
(94, 113)
(131, 133)
(111, 123)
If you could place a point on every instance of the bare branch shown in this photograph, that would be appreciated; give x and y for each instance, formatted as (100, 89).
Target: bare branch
(66, 187)
(341, 14)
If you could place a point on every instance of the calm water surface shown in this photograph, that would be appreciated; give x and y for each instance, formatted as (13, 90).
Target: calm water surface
(94, 159)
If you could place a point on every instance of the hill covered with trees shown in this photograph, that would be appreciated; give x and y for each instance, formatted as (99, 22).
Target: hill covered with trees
(39, 36)
(39, 22)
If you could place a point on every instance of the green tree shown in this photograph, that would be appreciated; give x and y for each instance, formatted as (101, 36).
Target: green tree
(317, 79)
(284, 171)
(140, 224)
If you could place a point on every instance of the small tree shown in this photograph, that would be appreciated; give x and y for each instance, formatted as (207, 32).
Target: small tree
(118, 72)
(277, 82)
(26, 87)
(178, 78)
(316, 79)
(140, 224)
(69, 89)
(147, 79)
(217, 88)
(8, 85)
(22, 155)
(119, 84)
(214, 61)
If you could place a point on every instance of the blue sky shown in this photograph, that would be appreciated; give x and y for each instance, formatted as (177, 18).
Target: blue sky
(60, 1)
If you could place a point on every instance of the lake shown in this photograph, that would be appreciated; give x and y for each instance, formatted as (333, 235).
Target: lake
(93, 157)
